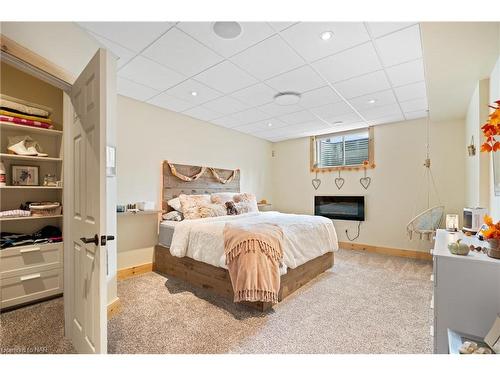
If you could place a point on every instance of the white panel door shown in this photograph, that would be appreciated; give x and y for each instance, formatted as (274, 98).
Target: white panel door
(87, 314)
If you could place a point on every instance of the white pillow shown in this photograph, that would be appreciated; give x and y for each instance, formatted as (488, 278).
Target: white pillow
(172, 216)
(175, 203)
(222, 198)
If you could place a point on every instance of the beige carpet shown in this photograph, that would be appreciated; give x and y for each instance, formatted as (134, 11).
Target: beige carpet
(367, 303)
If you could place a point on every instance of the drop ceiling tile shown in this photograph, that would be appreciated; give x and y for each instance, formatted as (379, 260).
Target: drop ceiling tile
(378, 29)
(298, 117)
(380, 112)
(415, 115)
(134, 90)
(411, 91)
(225, 105)
(169, 102)
(274, 109)
(150, 73)
(279, 26)
(400, 46)
(261, 125)
(381, 98)
(363, 85)
(318, 97)
(182, 53)
(268, 58)
(331, 110)
(298, 80)
(388, 119)
(132, 35)
(226, 77)
(185, 89)
(202, 113)
(255, 95)
(226, 121)
(414, 105)
(251, 33)
(305, 37)
(406, 73)
(351, 63)
(250, 115)
(123, 55)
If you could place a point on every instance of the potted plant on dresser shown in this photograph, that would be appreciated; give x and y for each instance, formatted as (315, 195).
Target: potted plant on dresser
(492, 235)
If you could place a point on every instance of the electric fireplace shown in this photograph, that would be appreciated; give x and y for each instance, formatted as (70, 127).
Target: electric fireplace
(340, 207)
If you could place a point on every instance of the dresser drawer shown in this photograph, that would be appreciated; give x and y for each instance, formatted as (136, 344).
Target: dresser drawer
(17, 261)
(30, 287)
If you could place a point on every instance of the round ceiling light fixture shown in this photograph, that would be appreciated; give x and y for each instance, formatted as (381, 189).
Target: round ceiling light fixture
(227, 30)
(326, 35)
(270, 124)
(287, 98)
(194, 93)
(372, 101)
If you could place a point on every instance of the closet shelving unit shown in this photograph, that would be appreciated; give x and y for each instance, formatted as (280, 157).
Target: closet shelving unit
(33, 272)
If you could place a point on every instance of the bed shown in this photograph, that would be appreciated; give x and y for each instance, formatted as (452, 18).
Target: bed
(192, 250)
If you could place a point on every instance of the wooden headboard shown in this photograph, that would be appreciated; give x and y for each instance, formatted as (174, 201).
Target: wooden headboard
(206, 184)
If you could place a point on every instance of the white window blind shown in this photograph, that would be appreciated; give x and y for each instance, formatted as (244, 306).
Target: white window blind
(344, 149)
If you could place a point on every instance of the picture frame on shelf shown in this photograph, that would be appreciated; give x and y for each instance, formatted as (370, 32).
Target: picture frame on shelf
(25, 175)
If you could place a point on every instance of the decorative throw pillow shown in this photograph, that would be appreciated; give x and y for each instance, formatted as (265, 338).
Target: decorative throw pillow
(246, 202)
(191, 204)
(175, 203)
(172, 216)
(222, 198)
(212, 210)
(231, 208)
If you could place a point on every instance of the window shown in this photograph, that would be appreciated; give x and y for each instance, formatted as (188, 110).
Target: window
(341, 149)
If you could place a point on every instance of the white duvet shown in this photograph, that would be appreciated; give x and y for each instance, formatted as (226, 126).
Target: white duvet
(305, 237)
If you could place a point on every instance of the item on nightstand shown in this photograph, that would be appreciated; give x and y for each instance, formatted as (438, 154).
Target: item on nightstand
(120, 208)
(458, 248)
(452, 222)
(131, 207)
(263, 201)
(146, 206)
(473, 219)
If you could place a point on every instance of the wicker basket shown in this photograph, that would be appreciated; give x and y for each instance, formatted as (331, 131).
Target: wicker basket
(45, 209)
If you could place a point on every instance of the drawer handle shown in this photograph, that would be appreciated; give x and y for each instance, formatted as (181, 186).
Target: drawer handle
(29, 250)
(30, 277)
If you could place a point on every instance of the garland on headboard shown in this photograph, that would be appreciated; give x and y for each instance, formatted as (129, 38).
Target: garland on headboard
(200, 173)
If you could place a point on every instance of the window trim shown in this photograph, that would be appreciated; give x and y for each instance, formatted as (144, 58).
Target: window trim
(371, 154)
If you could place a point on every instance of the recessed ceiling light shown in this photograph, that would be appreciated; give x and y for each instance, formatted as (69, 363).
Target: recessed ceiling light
(194, 93)
(269, 124)
(326, 35)
(372, 101)
(227, 30)
(287, 98)
(338, 122)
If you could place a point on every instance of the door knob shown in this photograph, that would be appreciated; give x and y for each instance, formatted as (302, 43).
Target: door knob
(94, 240)
(104, 239)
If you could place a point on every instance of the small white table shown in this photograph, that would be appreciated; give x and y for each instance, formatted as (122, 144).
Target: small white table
(466, 290)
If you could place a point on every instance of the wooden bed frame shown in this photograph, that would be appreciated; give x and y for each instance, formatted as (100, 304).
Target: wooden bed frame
(204, 275)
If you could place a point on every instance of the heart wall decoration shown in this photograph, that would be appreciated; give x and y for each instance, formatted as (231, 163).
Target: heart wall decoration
(316, 182)
(365, 182)
(339, 182)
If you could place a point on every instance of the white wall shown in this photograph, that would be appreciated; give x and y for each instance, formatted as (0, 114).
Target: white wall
(392, 196)
(148, 135)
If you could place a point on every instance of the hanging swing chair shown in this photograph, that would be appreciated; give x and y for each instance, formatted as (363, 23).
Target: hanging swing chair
(425, 224)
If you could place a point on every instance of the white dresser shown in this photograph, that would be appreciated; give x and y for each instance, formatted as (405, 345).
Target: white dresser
(466, 290)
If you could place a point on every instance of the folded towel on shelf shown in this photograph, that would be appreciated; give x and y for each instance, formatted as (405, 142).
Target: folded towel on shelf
(22, 121)
(23, 106)
(26, 117)
(14, 213)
